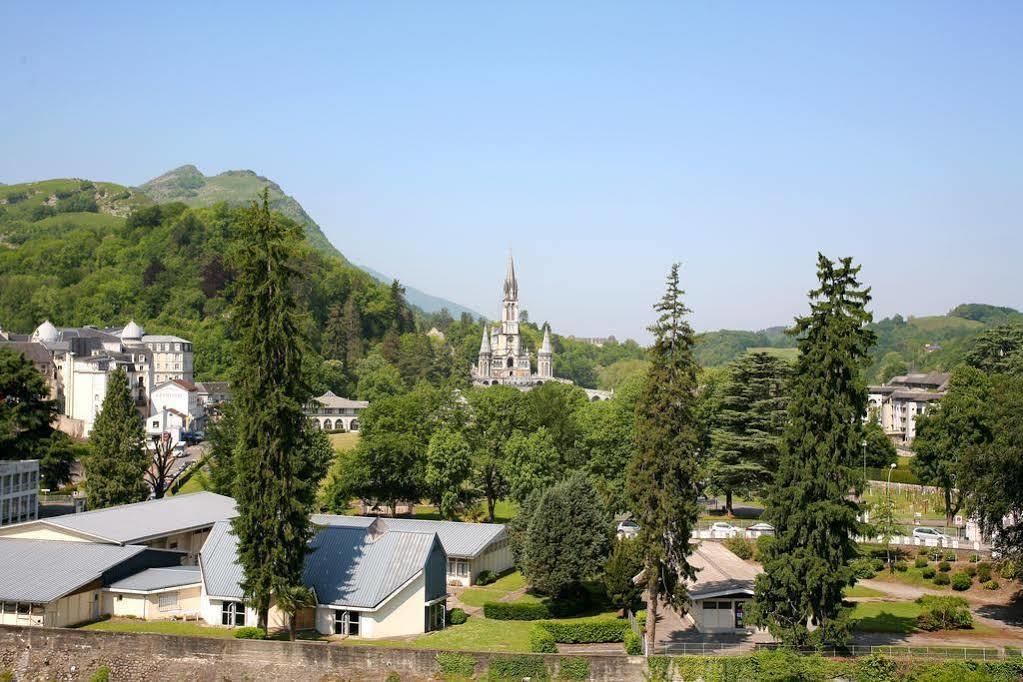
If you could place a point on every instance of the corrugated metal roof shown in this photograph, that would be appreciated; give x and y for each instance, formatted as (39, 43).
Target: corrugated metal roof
(132, 523)
(43, 570)
(459, 539)
(719, 571)
(159, 579)
(344, 566)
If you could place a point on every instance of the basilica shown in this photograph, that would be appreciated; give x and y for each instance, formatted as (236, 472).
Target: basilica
(503, 358)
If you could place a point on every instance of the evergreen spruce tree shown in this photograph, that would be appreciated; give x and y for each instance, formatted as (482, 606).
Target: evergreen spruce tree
(351, 324)
(799, 597)
(665, 472)
(117, 463)
(276, 474)
(334, 340)
(748, 425)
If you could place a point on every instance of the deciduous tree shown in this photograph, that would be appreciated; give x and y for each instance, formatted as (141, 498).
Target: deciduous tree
(530, 463)
(448, 472)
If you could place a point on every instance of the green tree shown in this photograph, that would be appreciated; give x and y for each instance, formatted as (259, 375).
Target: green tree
(293, 600)
(750, 417)
(335, 340)
(351, 324)
(893, 365)
(377, 379)
(878, 447)
(25, 406)
(448, 472)
(115, 468)
(885, 522)
(998, 350)
(275, 476)
(497, 413)
(799, 596)
(553, 407)
(568, 539)
(607, 441)
(955, 425)
(222, 440)
(624, 564)
(530, 463)
(664, 474)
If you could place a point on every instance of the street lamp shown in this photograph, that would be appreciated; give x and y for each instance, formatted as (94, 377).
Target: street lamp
(889, 512)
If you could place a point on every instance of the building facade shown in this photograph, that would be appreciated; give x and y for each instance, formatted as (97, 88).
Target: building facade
(330, 412)
(19, 491)
(896, 404)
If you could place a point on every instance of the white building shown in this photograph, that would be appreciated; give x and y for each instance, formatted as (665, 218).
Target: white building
(896, 404)
(19, 491)
(175, 408)
(722, 589)
(331, 412)
(172, 357)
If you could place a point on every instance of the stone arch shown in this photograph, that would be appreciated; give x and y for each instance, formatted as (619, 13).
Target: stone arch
(328, 425)
(510, 363)
(354, 426)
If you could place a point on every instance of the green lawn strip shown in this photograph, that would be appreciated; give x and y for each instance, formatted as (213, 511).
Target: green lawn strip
(861, 591)
(477, 596)
(899, 617)
(162, 627)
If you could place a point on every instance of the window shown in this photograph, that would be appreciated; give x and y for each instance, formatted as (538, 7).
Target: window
(458, 567)
(168, 601)
(346, 623)
(435, 616)
(710, 605)
(232, 613)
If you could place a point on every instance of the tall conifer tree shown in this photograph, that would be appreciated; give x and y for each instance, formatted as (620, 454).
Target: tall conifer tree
(664, 472)
(799, 597)
(276, 476)
(115, 468)
(334, 341)
(748, 425)
(352, 325)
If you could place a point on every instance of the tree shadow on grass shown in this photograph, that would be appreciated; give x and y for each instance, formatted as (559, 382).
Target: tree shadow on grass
(886, 622)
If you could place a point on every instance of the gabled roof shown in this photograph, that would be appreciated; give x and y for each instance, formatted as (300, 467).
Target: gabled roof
(719, 572)
(180, 383)
(154, 579)
(43, 570)
(459, 539)
(213, 386)
(346, 566)
(329, 399)
(141, 521)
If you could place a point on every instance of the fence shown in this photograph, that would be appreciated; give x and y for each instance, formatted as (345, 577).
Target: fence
(852, 651)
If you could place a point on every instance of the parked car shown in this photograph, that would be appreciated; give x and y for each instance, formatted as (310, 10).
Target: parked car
(723, 529)
(758, 529)
(928, 533)
(627, 528)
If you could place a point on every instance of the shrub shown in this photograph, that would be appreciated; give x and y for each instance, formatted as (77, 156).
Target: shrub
(923, 551)
(541, 641)
(901, 566)
(658, 668)
(78, 203)
(991, 585)
(641, 619)
(393, 677)
(943, 613)
(970, 571)
(499, 610)
(876, 668)
(961, 581)
(942, 579)
(974, 558)
(921, 562)
(928, 573)
(250, 633)
(763, 542)
(863, 569)
(983, 571)
(102, 674)
(1008, 569)
(453, 664)
(574, 668)
(587, 631)
(944, 567)
(950, 556)
(877, 564)
(457, 616)
(740, 547)
(517, 667)
(486, 577)
(633, 644)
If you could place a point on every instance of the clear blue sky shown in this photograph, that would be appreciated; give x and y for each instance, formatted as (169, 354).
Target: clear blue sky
(601, 141)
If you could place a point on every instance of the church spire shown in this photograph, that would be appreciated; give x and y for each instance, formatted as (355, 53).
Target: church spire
(545, 346)
(485, 343)
(511, 285)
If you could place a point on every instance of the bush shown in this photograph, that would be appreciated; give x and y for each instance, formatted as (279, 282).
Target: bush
(877, 564)
(574, 668)
(901, 566)
(587, 631)
(944, 567)
(499, 610)
(943, 613)
(457, 616)
(486, 577)
(740, 547)
(928, 573)
(541, 641)
(641, 619)
(961, 581)
(1009, 569)
(983, 571)
(863, 569)
(921, 562)
(517, 667)
(876, 668)
(457, 665)
(393, 677)
(763, 542)
(991, 585)
(78, 203)
(942, 579)
(974, 558)
(923, 551)
(633, 644)
(102, 674)
(950, 556)
(970, 571)
(250, 633)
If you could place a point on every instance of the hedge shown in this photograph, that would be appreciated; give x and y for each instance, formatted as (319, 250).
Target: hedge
(250, 633)
(633, 644)
(586, 631)
(541, 641)
(518, 667)
(574, 668)
(560, 608)
(457, 665)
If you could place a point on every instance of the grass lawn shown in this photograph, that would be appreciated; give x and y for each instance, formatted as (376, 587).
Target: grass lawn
(163, 627)
(884, 616)
(477, 596)
(861, 591)
(344, 441)
(504, 511)
(195, 483)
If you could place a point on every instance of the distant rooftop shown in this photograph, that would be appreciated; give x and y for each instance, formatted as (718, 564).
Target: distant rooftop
(720, 572)
(329, 399)
(459, 539)
(153, 579)
(43, 570)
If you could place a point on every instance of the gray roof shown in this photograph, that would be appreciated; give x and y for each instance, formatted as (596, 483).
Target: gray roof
(345, 566)
(719, 572)
(459, 539)
(142, 521)
(152, 579)
(43, 570)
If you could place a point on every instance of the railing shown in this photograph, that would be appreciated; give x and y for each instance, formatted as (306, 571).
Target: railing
(855, 650)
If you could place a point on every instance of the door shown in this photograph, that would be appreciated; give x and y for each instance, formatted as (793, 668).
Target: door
(740, 614)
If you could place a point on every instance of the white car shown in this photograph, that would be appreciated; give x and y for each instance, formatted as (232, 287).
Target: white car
(723, 529)
(758, 529)
(628, 528)
(928, 533)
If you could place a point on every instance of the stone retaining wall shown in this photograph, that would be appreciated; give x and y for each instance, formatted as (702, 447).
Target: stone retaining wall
(35, 654)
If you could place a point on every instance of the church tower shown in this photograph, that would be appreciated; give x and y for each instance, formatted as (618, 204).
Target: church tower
(483, 364)
(510, 309)
(545, 357)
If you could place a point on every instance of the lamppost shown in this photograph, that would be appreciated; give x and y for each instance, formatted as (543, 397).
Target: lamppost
(889, 511)
(864, 446)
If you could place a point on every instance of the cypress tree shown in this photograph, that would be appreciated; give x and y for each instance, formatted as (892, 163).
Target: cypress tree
(799, 597)
(275, 473)
(664, 473)
(117, 463)
(749, 420)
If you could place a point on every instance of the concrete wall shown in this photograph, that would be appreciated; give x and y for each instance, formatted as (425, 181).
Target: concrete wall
(43, 654)
(147, 606)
